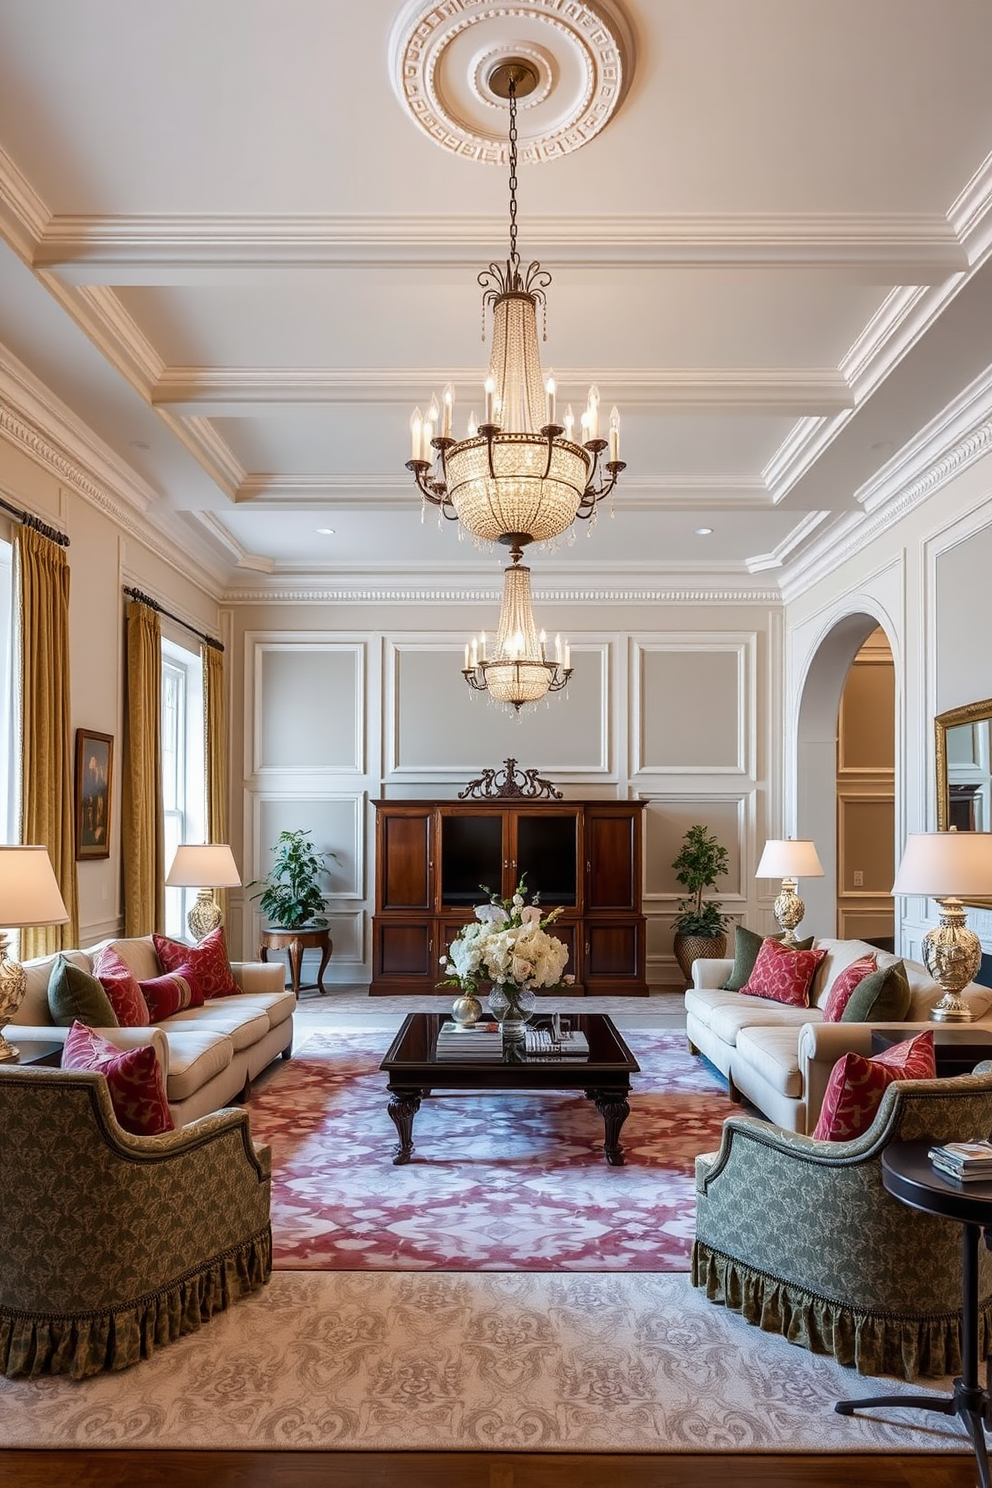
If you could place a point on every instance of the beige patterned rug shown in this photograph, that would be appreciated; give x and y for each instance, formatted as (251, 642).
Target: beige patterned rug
(493, 1361)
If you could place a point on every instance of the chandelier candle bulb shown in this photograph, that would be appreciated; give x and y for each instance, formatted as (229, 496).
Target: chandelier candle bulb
(465, 668)
(416, 425)
(544, 650)
(490, 400)
(614, 434)
(594, 412)
(482, 645)
(473, 427)
(558, 649)
(569, 422)
(550, 387)
(449, 404)
(567, 663)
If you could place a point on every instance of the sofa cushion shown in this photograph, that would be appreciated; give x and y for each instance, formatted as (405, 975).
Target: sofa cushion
(781, 974)
(773, 1053)
(76, 996)
(134, 1079)
(727, 1020)
(856, 1086)
(208, 962)
(747, 944)
(168, 994)
(880, 997)
(121, 986)
(243, 1026)
(277, 1006)
(843, 986)
(196, 1055)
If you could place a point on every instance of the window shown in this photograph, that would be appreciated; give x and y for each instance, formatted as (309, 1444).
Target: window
(183, 767)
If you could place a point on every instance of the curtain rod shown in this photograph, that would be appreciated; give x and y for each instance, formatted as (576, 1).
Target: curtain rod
(153, 604)
(27, 519)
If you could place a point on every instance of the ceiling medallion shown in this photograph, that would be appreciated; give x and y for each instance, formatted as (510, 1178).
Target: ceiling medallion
(443, 56)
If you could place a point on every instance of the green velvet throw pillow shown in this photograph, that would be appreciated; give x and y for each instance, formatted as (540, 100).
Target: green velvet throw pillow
(747, 944)
(76, 997)
(882, 996)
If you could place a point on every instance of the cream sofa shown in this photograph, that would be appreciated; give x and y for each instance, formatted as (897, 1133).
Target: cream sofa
(779, 1057)
(209, 1055)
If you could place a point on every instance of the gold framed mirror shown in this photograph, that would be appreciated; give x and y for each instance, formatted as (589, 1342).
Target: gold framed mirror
(963, 751)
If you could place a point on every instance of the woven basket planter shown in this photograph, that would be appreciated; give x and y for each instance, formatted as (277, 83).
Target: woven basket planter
(689, 948)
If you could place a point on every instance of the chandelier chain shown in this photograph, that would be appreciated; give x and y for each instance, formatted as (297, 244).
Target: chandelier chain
(514, 254)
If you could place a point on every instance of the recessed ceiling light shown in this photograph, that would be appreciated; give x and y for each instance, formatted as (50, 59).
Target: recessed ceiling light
(141, 444)
(703, 531)
(326, 531)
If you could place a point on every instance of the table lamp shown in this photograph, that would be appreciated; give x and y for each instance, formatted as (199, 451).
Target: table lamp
(789, 858)
(947, 866)
(29, 895)
(205, 866)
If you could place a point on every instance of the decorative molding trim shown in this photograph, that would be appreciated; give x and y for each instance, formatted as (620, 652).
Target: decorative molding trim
(283, 594)
(969, 214)
(24, 217)
(154, 248)
(741, 644)
(256, 561)
(803, 530)
(392, 491)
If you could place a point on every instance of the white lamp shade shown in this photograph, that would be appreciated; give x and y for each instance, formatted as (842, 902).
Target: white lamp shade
(789, 857)
(946, 865)
(204, 865)
(29, 893)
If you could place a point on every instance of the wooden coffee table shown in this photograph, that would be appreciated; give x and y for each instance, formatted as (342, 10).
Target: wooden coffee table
(414, 1070)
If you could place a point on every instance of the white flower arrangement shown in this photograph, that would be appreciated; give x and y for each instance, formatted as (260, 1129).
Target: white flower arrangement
(506, 944)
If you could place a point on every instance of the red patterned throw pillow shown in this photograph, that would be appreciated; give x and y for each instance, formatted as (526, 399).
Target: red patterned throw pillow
(844, 984)
(856, 1086)
(206, 963)
(134, 1079)
(170, 993)
(121, 987)
(782, 974)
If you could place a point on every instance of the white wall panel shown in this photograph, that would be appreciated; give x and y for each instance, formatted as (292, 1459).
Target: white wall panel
(439, 727)
(693, 709)
(306, 703)
(666, 821)
(337, 826)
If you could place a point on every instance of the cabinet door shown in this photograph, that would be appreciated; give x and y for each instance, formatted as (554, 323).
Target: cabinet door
(546, 846)
(614, 954)
(613, 857)
(404, 950)
(404, 859)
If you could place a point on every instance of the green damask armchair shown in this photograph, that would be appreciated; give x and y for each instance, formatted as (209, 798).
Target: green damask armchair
(110, 1244)
(802, 1239)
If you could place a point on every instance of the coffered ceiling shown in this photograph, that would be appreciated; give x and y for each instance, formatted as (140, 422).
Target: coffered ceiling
(238, 248)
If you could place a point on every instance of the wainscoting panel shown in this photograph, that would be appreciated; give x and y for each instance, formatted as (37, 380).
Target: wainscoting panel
(305, 697)
(436, 727)
(666, 821)
(337, 822)
(693, 708)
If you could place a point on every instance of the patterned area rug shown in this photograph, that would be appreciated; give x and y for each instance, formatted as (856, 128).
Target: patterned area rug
(550, 1363)
(511, 1182)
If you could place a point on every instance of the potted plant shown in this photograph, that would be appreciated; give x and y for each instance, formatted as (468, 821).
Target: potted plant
(699, 925)
(290, 896)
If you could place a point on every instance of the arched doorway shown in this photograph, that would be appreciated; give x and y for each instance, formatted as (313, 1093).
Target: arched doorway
(817, 775)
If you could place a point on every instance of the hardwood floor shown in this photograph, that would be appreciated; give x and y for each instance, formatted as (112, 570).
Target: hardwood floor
(129, 1469)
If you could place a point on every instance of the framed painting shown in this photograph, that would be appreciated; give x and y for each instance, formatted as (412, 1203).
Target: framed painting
(94, 778)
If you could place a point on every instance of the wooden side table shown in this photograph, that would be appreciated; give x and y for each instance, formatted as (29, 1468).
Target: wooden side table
(295, 942)
(36, 1051)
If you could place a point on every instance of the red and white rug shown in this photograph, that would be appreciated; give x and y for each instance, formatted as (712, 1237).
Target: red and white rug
(496, 1182)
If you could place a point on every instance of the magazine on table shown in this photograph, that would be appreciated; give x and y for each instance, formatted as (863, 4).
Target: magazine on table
(963, 1159)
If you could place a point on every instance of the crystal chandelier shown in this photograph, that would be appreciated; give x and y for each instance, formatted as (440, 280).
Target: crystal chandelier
(518, 672)
(520, 476)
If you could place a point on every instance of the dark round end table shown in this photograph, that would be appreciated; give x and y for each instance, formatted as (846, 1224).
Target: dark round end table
(909, 1175)
(295, 942)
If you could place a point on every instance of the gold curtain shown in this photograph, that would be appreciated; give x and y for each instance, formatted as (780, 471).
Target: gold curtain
(41, 573)
(215, 753)
(142, 814)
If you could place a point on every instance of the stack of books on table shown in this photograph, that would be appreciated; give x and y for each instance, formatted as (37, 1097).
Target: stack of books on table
(964, 1160)
(477, 1041)
(541, 1043)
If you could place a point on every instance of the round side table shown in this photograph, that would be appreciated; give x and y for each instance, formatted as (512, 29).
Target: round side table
(295, 942)
(909, 1175)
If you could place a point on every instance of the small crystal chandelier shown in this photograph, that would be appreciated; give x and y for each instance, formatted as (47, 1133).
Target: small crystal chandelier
(520, 476)
(518, 672)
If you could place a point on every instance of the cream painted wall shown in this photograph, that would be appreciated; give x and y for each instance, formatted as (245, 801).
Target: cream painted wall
(669, 702)
(922, 578)
(103, 557)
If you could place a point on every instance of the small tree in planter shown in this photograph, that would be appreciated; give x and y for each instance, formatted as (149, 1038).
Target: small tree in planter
(290, 896)
(699, 925)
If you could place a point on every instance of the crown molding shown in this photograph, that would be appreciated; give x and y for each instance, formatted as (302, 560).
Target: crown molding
(320, 592)
(209, 449)
(242, 558)
(216, 391)
(393, 491)
(24, 217)
(970, 214)
(901, 248)
(800, 534)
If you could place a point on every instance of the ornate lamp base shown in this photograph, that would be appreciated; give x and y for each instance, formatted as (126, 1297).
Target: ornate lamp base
(789, 910)
(206, 915)
(951, 954)
(12, 984)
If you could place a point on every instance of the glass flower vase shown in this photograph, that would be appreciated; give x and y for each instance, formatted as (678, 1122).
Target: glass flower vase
(512, 1006)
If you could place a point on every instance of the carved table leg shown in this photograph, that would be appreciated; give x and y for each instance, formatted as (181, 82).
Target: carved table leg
(295, 951)
(325, 956)
(614, 1109)
(403, 1106)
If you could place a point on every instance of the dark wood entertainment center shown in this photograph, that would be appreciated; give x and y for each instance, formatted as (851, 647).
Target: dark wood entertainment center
(432, 857)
